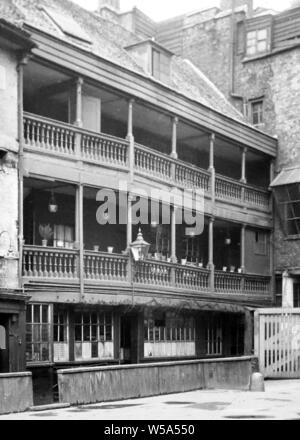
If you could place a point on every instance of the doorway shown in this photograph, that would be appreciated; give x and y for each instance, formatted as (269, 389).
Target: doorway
(4, 362)
(297, 295)
(125, 340)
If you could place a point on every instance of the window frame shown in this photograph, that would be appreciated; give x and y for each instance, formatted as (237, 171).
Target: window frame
(259, 113)
(257, 41)
(261, 246)
(283, 205)
(34, 343)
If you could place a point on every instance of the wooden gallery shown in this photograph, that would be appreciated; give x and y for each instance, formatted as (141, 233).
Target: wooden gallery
(94, 105)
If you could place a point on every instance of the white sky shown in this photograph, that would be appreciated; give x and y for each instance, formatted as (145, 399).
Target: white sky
(162, 9)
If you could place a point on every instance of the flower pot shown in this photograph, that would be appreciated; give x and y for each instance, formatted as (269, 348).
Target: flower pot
(183, 261)
(240, 270)
(96, 248)
(110, 249)
(44, 243)
(200, 265)
(224, 269)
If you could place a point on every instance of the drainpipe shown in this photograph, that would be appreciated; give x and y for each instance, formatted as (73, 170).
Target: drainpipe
(20, 69)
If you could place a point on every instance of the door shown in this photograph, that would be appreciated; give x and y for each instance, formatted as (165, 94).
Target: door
(125, 343)
(91, 113)
(4, 363)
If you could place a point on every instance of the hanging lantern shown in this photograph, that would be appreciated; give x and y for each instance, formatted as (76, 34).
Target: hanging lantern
(52, 206)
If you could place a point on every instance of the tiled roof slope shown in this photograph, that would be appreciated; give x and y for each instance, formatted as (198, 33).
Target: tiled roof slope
(108, 41)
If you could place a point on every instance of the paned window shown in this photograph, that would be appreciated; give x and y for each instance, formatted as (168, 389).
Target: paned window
(38, 333)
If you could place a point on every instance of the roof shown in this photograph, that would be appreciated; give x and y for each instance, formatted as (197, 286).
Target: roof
(288, 176)
(15, 37)
(108, 40)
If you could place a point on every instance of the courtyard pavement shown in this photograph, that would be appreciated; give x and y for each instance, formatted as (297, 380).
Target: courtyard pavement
(280, 401)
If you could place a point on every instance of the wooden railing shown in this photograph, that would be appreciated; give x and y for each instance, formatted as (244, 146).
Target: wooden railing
(40, 262)
(63, 264)
(152, 163)
(153, 273)
(191, 278)
(59, 138)
(105, 267)
(104, 149)
(48, 135)
(228, 189)
(191, 177)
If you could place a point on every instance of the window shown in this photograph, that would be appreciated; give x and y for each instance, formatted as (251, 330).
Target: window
(172, 329)
(297, 295)
(160, 65)
(2, 338)
(278, 291)
(214, 337)
(257, 42)
(38, 333)
(257, 112)
(260, 243)
(60, 326)
(63, 236)
(92, 328)
(288, 200)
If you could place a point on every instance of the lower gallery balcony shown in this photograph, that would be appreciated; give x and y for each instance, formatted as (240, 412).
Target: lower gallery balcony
(212, 263)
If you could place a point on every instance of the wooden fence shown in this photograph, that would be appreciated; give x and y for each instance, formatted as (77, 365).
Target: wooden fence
(277, 342)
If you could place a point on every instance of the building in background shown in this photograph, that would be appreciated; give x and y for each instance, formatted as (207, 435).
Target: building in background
(103, 105)
(252, 56)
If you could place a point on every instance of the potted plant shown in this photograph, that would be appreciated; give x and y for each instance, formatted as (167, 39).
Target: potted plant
(110, 249)
(46, 233)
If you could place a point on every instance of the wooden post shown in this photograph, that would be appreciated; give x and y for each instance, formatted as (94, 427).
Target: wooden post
(80, 236)
(211, 254)
(243, 166)
(248, 333)
(79, 84)
(174, 153)
(243, 247)
(212, 167)
(173, 235)
(130, 138)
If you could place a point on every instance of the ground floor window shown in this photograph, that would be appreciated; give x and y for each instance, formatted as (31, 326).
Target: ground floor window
(38, 333)
(167, 335)
(93, 335)
(214, 336)
(60, 335)
(297, 295)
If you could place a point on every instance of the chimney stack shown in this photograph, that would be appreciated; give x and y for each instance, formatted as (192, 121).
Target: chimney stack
(110, 4)
(228, 5)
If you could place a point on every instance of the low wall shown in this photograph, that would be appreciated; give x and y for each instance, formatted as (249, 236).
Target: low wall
(102, 384)
(15, 392)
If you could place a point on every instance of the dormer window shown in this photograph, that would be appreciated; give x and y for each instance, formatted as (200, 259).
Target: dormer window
(258, 42)
(160, 65)
(153, 58)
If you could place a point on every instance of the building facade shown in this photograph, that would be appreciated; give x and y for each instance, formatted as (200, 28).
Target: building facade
(115, 125)
(252, 56)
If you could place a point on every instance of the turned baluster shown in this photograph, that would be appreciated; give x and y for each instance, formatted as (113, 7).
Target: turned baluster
(40, 264)
(47, 135)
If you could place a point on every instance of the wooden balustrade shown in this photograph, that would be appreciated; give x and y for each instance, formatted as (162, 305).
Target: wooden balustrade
(45, 134)
(39, 262)
(153, 273)
(57, 137)
(191, 278)
(226, 282)
(104, 149)
(56, 263)
(228, 189)
(256, 285)
(152, 163)
(105, 267)
(191, 177)
(258, 198)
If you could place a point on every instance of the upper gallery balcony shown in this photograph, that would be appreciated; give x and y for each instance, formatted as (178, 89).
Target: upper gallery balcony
(215, 262)
(68, 119)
